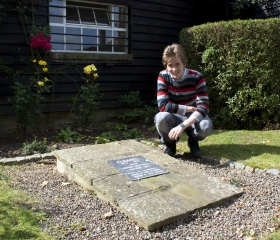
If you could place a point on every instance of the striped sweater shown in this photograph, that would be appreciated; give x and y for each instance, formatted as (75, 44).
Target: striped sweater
(173, 96)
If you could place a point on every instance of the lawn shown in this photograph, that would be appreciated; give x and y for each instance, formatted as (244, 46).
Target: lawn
(258, 149)
(17, 221)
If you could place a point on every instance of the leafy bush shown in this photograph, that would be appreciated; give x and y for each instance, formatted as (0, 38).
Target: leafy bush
(138, 110)
(86, 100)
(132, 134)
(105, 137)
(240, 60)
(34, 147)
(120, 127)
(68, 136)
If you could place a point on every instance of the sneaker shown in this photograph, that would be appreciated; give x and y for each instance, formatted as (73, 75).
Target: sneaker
(170, 149)
(194, 147)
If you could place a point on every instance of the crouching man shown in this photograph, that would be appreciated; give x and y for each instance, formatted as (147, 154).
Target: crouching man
(183, 103)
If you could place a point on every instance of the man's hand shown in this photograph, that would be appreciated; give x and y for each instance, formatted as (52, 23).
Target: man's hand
(175, 132)
(190, 109)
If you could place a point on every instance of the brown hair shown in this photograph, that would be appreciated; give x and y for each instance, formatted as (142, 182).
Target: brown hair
(173, 50)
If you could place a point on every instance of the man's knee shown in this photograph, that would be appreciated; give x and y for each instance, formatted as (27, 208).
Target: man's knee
(161, 116)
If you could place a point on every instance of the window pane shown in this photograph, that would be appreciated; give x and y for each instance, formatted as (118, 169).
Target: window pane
(72, 15)
(119, 41)
(56, 9)
(73, 39)
(120, 17)
(56, 15)
(89, 39)
(57, 40)
(87, 16)
(102, 17)
(105, 40)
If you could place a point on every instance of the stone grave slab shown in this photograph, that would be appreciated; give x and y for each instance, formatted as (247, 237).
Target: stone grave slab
(151, 201)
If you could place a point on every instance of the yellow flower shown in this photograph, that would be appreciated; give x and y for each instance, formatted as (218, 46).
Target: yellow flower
(95, 75)
(89, 68)
(34, 60)
(41, 84)
(45, 69)
(42, 63)
(46, 79)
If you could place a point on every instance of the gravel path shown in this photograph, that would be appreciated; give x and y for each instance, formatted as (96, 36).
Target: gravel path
(76, 214)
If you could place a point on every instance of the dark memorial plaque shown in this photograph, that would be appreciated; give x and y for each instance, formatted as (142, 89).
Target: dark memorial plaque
(137, 167)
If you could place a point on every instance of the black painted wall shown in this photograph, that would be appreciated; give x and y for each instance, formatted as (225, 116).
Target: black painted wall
(154, 25)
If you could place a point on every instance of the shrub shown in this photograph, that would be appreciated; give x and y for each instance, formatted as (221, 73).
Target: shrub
(138, 110)
(68, 135)
(132, 134)
(105, 137)
(34, 147)
(86, 100)
(240, 60)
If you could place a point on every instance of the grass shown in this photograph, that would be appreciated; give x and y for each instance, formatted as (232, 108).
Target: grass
(258, 149)
(17, 221)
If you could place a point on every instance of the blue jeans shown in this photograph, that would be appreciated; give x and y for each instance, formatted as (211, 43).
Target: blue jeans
(165, 121)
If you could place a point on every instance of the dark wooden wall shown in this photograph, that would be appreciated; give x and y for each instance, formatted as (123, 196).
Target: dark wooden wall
(154, 25)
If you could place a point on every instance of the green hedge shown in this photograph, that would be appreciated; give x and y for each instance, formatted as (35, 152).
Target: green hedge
(241, 62)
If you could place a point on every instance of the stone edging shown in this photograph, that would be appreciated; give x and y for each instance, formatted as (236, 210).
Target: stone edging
(211, 160)
(26, 159)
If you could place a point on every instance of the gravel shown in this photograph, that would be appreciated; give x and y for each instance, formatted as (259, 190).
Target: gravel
(74, 213)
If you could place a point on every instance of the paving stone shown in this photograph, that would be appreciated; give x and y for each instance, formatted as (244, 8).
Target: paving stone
(35, 157)
(249, 169)
(229, 163)
(239, 166)
(23, 159)
(153, 201)
(8, 161)
(273, 171)
(47, 155)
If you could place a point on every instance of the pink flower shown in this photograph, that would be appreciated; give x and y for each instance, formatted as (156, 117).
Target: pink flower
(41, 42)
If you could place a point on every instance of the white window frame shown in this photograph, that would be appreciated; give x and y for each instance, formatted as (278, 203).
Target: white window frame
(63, 44)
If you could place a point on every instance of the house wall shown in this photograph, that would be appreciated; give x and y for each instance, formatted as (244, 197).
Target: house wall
(154, 25)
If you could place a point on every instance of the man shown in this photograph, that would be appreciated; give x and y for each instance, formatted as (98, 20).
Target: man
(183, 103)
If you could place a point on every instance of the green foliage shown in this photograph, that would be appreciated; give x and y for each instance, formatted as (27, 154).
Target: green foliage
(105, 137)
(132, 134)
(86, 99)
(138, 110)
(7, 71)
(35, 147)
(149, 112)
(120, 127)
(234, 182)
(68, 136)
(239, 5)
(132, 99)
(240, 60)
(26, 102)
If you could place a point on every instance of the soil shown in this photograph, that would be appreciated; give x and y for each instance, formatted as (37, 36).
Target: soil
(13, 146)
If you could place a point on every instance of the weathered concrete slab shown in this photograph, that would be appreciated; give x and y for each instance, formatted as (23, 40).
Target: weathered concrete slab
(152, 202)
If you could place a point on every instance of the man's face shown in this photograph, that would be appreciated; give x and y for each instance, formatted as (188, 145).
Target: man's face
(175, 67)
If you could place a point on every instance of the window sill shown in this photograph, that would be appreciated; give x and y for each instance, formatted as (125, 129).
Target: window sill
(89, 57)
